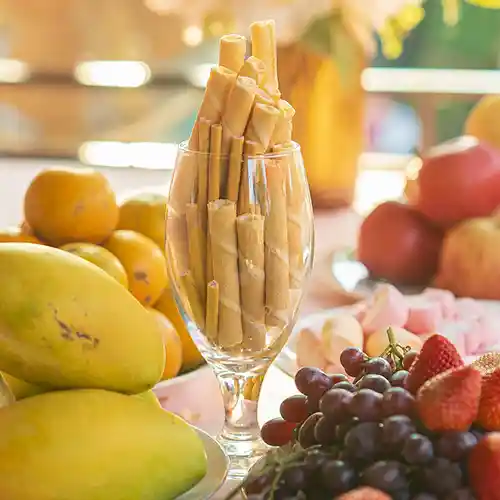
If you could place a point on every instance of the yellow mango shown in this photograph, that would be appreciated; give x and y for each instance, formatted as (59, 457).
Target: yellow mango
(22, 389)
(65, 323)
(92, 444)
(149, 396)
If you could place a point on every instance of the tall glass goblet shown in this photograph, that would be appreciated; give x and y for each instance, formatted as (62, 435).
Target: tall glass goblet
(240, 248)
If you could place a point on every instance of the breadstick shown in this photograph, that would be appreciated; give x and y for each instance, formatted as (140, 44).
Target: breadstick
(196, 251)
(193, 299)
(276, 241)
(252, 279)
(244, 198)
(223, 241)
(264, 48)
(283, 132)
(232, 50)
(212, 319)
(253, 68)
(202, 200)
(295, 210)
(237, 112)
(214, 168)
(220, 82)
(262, 125)
(234, 175)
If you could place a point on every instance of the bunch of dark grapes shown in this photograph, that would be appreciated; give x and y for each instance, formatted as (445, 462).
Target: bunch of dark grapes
(344, 433)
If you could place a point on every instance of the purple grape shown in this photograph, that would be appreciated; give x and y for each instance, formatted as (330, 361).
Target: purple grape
(409, 358)
(312, 405)
(417, 449)
(374, 382)
(385, 475)
(294, 478)
(348, 386)
(352, 358)
(337, 378)
(362, 441)
(395, 431)
(260, 483)
(397, 401)
(378, 366)
(277, 432)
(306, 431)
(455, 445)
(425, 496)
(335, 404)
(345, 427)
(440, 476)
(366, 405)
(325, 431)
(312, 382)
(294, 409)
(398, 378)
(338, 476)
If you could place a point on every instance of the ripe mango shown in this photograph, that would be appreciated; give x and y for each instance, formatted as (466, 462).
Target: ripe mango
(92, 444)
(65, 323)
(148, 396)
(22, 389)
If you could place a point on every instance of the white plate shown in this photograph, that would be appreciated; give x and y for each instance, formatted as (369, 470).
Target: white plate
(287, 359)
(218, 464)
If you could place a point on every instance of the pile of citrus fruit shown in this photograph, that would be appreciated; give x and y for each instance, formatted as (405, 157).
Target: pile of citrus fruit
(76, 209)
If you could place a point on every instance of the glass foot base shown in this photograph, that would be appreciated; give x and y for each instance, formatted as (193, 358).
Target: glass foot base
(242, 455)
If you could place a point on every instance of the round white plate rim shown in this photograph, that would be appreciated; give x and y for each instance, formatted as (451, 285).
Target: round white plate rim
(287, 360)
(185, 377)
(217, 467)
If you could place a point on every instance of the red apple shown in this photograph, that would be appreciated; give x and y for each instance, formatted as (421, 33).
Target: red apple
(398, 244)
(459, 180)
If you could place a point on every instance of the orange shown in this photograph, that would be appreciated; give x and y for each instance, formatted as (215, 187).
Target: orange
(17, 235)
(144, 263)
(64, 205)
(145, 212)
(100, 257)
(191, 357)
(173, 345)
(483, 121)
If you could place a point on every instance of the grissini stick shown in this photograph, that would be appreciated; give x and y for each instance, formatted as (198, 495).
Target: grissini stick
(252, 279)
(212, 315)
(264, 48)
(232, 50)
(237, 110)
(295, 212)
(276, 247)
(196, 252)
(219, 84)
(262, 125)
(214, 172)
(223, 242)
(283, 131)
(253, 68)
(235, 165)
(202, 199)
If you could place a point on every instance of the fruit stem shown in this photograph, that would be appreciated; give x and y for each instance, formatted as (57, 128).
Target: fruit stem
(391, 336)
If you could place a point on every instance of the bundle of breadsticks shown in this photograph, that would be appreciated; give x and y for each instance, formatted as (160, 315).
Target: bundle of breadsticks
(236, 203)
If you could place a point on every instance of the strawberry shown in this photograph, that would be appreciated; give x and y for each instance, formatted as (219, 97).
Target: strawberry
(450, 401)
(487, 363)
(484, 468)
(364, 493)
(489, 404)
(437, 355)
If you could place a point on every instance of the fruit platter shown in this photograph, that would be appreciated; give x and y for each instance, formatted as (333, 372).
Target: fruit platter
(401, 425)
